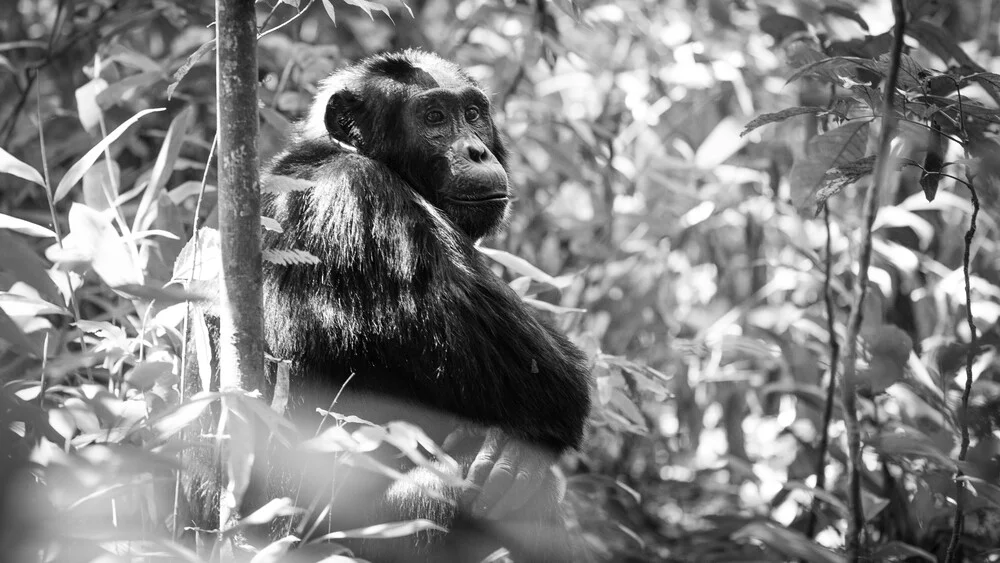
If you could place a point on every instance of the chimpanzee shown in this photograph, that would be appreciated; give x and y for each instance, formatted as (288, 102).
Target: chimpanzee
(403, 319)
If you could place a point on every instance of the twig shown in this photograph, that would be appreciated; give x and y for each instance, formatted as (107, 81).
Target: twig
(856, 521)
(187, 316)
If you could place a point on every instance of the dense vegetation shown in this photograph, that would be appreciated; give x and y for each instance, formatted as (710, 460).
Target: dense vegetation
(730, 206)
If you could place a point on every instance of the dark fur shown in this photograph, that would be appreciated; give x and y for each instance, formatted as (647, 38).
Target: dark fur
(404, 301)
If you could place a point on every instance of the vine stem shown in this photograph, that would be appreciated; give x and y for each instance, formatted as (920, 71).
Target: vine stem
(831, 390)
(856, 520)
(970, 357)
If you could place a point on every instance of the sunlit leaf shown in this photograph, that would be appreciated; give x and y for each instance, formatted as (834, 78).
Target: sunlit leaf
(76, 172)
(330, 12)
(163, 168)
(13, 166)
(369, 6)
(167, 295)
(788, 542)
(722, 142)
(519, 266)
(87, 107)
(390, 530)
(899, 551)
(275, 551)
(184, 414)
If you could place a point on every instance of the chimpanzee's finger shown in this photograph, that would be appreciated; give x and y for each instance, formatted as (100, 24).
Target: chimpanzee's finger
(481, 467)
(497, 484)
(528, 479)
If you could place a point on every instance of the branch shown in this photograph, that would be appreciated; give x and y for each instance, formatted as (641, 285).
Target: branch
(856, 520)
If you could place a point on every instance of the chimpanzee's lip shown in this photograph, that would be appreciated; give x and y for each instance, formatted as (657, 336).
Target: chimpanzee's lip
(491, 198)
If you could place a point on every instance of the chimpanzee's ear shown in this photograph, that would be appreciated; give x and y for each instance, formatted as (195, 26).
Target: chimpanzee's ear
(342, 111)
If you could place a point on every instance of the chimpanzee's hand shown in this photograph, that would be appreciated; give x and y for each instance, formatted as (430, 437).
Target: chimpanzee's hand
(505, 475)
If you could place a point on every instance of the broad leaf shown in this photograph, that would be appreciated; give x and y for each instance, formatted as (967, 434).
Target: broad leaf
(836, 147)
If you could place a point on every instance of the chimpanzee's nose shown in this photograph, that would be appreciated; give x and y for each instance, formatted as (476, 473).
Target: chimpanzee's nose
(474, 149)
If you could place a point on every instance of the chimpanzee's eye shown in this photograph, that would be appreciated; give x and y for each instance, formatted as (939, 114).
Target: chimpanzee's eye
(435, 117)
(472, 114)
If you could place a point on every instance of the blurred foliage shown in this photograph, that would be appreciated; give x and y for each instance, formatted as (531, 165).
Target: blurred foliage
(689, 260)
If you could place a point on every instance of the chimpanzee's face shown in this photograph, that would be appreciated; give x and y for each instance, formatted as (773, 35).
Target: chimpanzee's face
(453, 164)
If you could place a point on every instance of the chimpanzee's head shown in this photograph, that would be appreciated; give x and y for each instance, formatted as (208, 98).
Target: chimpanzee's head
(430, 122)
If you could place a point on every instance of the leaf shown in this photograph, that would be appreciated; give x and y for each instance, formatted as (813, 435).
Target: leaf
(788, 542)
(983, 489)
(846, 11)
(369, 6)
(209, 258)
(26, 266)
(23, 306)
(13, 166)
(332, 440)
(110, 256)
(164, 296)
(186, 190)
(271, 224)
(328, 6)
(276, 508)
(100, 185)
(779, 26)
(13, 335)
(289, 257)
(76, 172)
(909, 443)
(520, 266)
(938, 41)
(782, 115)
(176, 419)
(277, 184)
(838, 178)
(384, 531)
(202, 347)
(24, 227)
(723, 142)
(830, 68)
(87, 107)
(121, 91)
(163, 168)
(836, 147)
(188, 64)
(275, 551)
(899, 551)
(145, 374)
(825, 496)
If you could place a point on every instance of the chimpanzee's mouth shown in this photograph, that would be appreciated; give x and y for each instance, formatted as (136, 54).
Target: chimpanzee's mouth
(490, 198)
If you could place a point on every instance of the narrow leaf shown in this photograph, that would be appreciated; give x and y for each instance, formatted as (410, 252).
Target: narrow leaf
(76, 172)
(164, 167)
(779, 116)
(390, 530)
(13, 335)
(11, 165)
(188, 64)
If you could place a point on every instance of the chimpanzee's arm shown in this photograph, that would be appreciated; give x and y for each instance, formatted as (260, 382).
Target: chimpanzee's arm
(405, 301)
